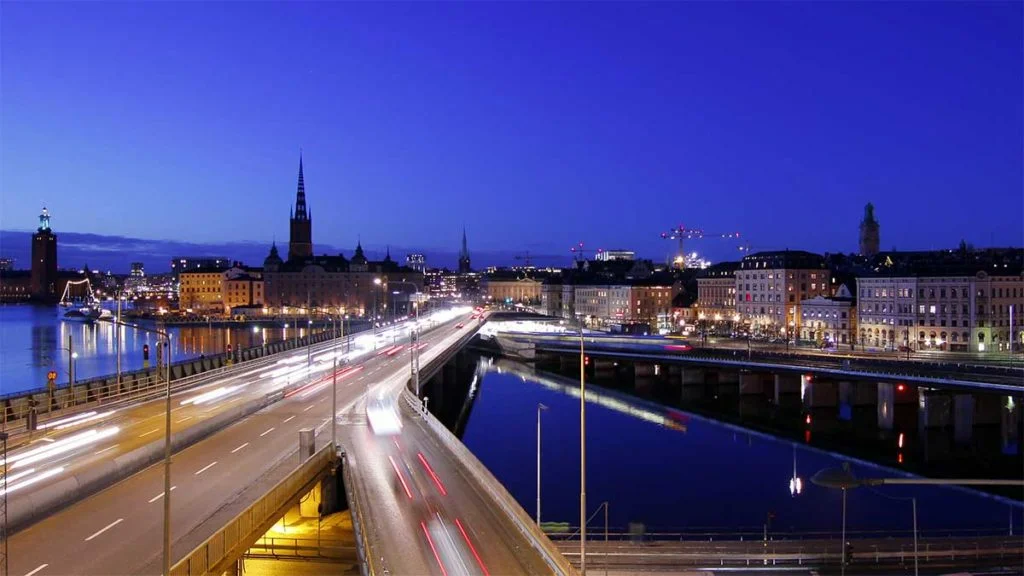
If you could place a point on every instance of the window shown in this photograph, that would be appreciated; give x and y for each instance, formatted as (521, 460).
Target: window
(942, 293)
(920, 309)
(952, 294)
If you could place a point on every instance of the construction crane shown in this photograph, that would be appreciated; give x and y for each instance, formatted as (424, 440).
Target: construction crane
(529, 259)
(579, 253)
(681, 233)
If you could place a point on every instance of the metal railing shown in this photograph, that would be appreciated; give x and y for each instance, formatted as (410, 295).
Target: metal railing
(237, 535)
(495, 490)
(290, 547)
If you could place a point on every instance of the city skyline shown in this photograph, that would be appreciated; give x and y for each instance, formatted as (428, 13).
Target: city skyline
(452, 129)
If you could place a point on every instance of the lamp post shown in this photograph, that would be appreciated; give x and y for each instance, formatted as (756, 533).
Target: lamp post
(309, 351)
(540, 407)
(256, 330)
(376, 282)
(167, 446)
(583, 459)
(844, 480)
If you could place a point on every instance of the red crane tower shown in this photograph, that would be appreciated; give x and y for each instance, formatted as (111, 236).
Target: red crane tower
(579, 253)
(682, 233)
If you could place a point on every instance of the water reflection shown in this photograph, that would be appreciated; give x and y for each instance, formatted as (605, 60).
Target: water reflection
(673, 470)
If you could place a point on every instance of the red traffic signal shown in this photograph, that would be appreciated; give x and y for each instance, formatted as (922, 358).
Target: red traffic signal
(145, 351)
(229, 348)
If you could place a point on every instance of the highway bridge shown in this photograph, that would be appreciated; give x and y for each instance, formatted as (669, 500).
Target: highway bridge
(423, 503)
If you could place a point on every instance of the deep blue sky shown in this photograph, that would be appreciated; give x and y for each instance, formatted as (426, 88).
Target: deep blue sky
(536, 125)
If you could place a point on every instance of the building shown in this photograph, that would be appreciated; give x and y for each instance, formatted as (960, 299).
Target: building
(644, 301)
(15, 285)
(512, 289)
(417, 262)
(607, 255)
(955, 311)
(6, 264)
(138, 270)
(464, 262)
(300, 243)
(829, 320)
(243, 288)
(771, 285)
(44, 277)
(181, 264)
(202, 290)
(869, 229)
(306, 283)
(441, 284)
(716, 294)
(551, 296)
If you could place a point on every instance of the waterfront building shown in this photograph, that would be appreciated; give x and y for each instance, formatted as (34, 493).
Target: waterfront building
(716, 295)
(44, 262)
(770, 287)
(181, 264)
(6, 264)
(512, 288)
(829, 320)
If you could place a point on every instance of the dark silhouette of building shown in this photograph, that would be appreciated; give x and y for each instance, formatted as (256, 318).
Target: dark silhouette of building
(44, 261)
(464, 263)
(869, 232)
(300, 243)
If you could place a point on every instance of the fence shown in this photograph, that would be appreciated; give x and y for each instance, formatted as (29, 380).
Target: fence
(231, 541)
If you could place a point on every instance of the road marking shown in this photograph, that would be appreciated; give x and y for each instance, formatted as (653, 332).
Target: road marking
(105, 528)
(47, 439)
(150, 432)
(105, 449)
(269, 430)
(240, 447)
(288, 419)
(308, 407)
(37, 569)
(184, 419)
(160, 495)
(207, 467)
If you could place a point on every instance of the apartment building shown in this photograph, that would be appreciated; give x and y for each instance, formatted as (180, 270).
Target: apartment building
(770, 287)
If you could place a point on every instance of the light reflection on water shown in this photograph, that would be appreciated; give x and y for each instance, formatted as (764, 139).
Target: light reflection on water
(672, 470)
(34, 340)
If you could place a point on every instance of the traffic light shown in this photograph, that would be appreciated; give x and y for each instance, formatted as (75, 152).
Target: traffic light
(229, 348)
(145, 351)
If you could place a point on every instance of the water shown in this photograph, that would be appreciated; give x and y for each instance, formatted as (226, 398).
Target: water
(34, 340)
(691, 474)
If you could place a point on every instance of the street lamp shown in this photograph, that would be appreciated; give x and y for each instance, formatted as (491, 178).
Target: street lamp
(583, 459)
(843, 479)
(539, 408)
(376, 282)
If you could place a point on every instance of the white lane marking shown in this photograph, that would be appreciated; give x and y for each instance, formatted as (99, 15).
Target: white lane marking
(186, 418)
(105, 528)
(160, 495)
(47, 439)
(308, 407)
(240, 447)
(288, 419)
(207, 467)
(37, 569)
(268, 431)
(150, 432)
(105, 449)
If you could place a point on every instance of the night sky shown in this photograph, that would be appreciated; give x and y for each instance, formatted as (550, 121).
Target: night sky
(535, 125)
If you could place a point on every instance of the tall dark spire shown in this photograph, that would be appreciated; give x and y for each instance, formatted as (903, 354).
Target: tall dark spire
(465, 249)
(300, 195)
(464, 262)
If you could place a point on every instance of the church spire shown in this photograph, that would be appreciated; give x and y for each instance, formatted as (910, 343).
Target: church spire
(465, 250)
(300, 195)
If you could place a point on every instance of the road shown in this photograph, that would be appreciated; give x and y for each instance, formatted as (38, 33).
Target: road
(118, 530)
(424, 513)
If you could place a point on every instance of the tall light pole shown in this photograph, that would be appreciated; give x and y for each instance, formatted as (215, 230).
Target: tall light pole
(844, 480)
(539, 408)
(583, 459)
(309, 351)
(71, 361)
(376, 282)
(334, 404)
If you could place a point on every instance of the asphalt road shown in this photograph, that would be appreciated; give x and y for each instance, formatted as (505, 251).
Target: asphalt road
(425, 513)
(119, 530)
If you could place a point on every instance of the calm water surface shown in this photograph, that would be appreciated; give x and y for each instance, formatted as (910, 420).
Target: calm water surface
(672, 470)
(34, 340)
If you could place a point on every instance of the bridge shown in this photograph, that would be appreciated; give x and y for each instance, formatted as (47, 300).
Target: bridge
(420, 503)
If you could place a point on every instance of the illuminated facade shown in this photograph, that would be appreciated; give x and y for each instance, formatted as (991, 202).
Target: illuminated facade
(770, 287)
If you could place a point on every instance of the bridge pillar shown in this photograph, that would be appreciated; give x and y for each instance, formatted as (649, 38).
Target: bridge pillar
(886, 404)
(785, 385)
(751, 383)
(568, 364)
(1010, 425)
(933, 409)
(641, 370)
(309, 506)
(963, 418)
(604, 369)
(692, 383)
(818, 393)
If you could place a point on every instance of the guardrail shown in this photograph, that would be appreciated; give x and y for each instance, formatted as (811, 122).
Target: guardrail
(285, 547)
(495, 490)
(231, 541)
(367, 558)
